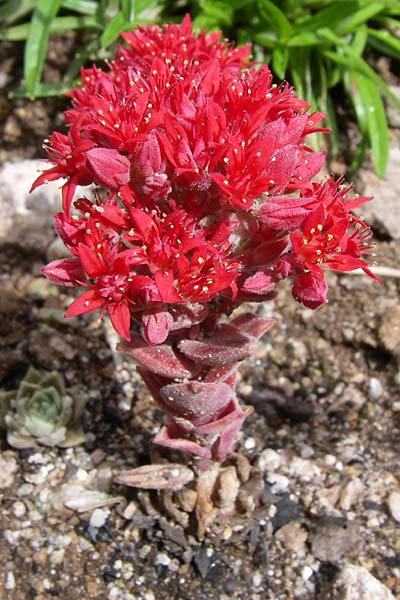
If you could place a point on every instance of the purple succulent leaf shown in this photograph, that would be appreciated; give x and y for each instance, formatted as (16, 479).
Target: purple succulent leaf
(252, 325)
(227, 345)
(223, 446)
(170, 476)
(185, 317)
(236, 414)
(165, 437)
(195, 401)
(161, 360)
(154, 383)
(221, 372)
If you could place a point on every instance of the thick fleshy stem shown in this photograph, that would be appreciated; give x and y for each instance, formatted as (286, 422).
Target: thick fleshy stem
(193, 381)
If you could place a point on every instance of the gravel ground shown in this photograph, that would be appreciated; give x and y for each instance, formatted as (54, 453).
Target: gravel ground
(322, 443)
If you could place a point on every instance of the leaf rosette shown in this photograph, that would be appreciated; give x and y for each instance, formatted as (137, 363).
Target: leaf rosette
(41, 412)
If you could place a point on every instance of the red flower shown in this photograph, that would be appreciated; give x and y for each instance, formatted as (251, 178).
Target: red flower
(332, 236)
(68, 152)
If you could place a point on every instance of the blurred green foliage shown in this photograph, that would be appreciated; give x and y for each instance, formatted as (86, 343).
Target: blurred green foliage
(317, 45)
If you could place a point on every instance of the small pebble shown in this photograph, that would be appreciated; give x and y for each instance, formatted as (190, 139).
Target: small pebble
(279, 483)
(307, 572)
(394, 505)
(162, 559)
(269, 460)
(250, 443)
(256, 579)
(98, 517)
(10, 581)
(57, 557)
(330, 460)
(19, 509)
(375, 388)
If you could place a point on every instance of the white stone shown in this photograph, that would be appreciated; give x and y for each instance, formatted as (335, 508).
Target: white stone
(307, 572)
(384, 210)
(375, 388)
(269, 460)
(27, 219)
(279, 483)
(8, 467)
(98, 517)
(19, 509)
(162, 559)
(330, 460)
(356, 583)
(394, 505)
(250, 443)
(10, 581)
(351, 493)
(256, 579)
(305, 470)
(57, 557)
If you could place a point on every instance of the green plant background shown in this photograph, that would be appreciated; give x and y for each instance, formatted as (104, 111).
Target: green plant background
(316, 45)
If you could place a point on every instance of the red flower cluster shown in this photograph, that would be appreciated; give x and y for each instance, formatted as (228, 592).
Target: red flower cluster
(200, 155)
(205, 196)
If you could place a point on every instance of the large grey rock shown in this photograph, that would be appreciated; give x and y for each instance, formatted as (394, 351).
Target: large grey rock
(393, 113)
(26, 220)
(384, 211)
(356, 583)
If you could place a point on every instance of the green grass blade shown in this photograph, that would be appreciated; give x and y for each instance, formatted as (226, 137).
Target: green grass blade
(351, 61)
(113, 29)
(376, 122)
(387, 43)
(272, 15)
(57, 25)
(44, 90)
(215, 14)
(360, 40)
(307, 38)
(360, 17)
(280, 59)
(86, 7)
(331, 122)
(267, 39)
(36, 44)
(13, 10)
(330, 17)
(128, 9)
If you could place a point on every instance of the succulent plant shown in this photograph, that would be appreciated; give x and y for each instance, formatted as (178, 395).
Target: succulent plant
(41, 412)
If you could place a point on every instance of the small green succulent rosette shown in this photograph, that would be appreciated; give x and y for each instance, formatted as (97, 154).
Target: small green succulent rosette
(41, 412)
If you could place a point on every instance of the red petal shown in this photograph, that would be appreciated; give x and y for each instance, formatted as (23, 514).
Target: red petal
(48, 175)
(120, 318)
(84, 303)
(92, 263)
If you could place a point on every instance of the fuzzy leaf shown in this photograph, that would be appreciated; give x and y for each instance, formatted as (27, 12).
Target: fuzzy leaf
(65, 271)
(227, 345)
(196, 401)
(161, 359)
(170, 476)
(110, 168)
